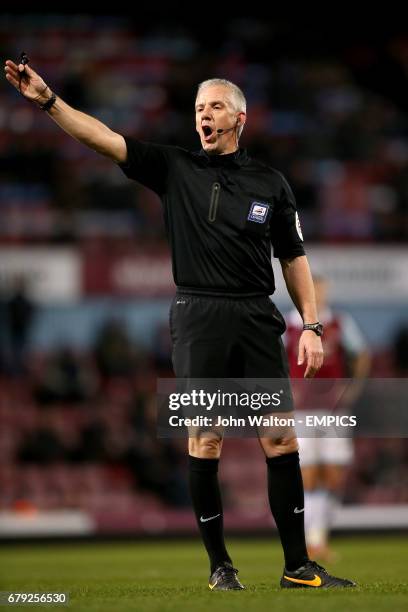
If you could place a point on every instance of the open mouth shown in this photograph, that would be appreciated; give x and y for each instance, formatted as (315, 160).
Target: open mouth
(207, 131)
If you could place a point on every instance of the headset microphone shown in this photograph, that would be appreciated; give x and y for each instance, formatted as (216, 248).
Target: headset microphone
(221, 131)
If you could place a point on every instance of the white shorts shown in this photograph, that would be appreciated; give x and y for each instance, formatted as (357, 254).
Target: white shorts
(327, 451)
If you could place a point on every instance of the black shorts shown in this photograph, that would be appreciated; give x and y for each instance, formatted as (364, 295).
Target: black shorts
(231, 338)
(220, 337)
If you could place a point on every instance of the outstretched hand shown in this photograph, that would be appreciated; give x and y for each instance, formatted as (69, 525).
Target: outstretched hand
(31, 85)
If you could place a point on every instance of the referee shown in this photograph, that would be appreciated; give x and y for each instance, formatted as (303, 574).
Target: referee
(223, 212)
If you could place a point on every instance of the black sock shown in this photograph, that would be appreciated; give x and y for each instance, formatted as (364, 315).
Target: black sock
(207, 504)
(286, 499)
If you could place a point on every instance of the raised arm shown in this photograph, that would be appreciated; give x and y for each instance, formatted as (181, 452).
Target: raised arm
(84, 128)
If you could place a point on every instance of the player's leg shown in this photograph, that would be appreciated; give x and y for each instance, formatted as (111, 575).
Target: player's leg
(204, 454)
(201, 350)
(337, 454)
(285, 492)
(315, 497)
(286, 498)
(265, 357)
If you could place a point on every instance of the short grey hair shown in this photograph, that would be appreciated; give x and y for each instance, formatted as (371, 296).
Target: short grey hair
(237, 95)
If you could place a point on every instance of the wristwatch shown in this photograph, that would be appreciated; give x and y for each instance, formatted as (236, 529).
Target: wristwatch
(316, 327)
(47, 105)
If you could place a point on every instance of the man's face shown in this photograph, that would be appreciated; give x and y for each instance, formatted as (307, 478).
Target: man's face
(214, 109)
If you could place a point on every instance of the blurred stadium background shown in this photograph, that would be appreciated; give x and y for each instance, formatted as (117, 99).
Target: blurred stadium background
(85, 278)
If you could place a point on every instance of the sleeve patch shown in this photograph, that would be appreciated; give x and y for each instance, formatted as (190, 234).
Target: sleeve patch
(298, 227)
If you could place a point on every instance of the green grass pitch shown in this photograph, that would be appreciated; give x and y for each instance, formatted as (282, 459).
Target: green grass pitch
(172, 575)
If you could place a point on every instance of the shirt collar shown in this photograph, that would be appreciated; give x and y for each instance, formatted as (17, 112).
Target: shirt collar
(237, 159)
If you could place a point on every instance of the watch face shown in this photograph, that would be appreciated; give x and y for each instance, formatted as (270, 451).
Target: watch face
(317, 328)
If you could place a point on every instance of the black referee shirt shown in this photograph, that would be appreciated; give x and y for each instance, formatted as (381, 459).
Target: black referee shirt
(222, 214)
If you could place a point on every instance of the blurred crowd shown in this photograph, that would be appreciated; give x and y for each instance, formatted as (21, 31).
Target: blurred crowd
(324, 121)
(69, 409)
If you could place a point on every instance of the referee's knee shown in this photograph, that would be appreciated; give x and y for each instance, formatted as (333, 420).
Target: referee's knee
(275, 447)
(205, 448)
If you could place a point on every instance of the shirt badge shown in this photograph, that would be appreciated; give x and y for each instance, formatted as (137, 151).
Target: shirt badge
(258, 212)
